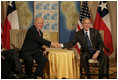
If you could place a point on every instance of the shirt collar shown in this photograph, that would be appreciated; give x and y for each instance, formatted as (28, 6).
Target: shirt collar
(87, 31)
(38, 30)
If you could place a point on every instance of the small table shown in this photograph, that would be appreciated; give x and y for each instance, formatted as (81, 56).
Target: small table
(63, 64)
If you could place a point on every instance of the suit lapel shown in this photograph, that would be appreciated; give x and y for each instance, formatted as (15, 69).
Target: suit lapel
(91, 36)
(41, 34)
(35, 29)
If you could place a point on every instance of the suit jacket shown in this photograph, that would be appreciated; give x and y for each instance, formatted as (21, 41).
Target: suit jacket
(95, 37)
(33, 41)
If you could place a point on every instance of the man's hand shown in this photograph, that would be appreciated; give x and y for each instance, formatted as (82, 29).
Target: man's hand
(44, 48)
(3, 57)
(56, 45)
(95, 55)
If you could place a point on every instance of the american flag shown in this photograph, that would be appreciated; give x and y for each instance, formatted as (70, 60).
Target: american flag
(1, 34)
(84, 12)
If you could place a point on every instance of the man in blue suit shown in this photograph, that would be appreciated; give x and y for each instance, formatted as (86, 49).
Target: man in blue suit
(91, 45)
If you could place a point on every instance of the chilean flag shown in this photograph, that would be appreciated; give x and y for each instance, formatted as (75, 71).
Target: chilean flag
(102, 22)
(11, 22)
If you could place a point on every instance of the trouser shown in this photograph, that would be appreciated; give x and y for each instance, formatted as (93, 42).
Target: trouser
(12, 58)
(40, 60)
(102, 58)
(5, 69)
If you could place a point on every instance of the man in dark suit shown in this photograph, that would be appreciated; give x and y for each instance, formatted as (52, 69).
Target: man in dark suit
(10, 65)
(91, 45)
(32, 49)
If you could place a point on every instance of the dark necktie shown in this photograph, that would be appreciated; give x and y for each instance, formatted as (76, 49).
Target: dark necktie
(39, 33)
(88, 42)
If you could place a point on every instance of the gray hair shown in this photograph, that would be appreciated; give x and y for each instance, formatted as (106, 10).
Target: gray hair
(36, 19)
(85, 19)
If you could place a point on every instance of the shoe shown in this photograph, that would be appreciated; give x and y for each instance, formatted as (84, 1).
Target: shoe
(39, 77)
(17, 76)
(101, 77)
(22, 76)
(34, 77)
(12, 75)
(89, 77)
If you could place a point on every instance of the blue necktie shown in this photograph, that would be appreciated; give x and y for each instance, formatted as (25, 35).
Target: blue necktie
(88, 42)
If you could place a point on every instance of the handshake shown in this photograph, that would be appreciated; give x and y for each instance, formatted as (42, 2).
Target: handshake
(56, 45)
